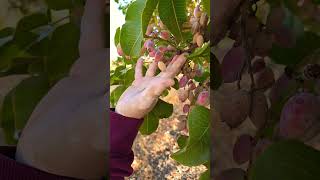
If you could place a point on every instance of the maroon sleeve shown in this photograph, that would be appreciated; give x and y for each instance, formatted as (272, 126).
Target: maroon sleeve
(123, 131)
(12, 170)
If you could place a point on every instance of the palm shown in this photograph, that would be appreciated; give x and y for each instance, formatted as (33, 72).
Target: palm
(142, 95)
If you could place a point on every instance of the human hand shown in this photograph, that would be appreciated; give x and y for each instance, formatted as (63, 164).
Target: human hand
(141, 97)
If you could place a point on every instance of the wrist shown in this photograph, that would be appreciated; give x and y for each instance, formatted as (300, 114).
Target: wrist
(127, 114)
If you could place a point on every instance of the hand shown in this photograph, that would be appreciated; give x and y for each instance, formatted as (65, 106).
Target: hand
(70, 122)
(141, 97)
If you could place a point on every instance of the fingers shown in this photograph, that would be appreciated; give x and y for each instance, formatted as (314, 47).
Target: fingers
(152, 69)
(174, 67)
(138, 71)
(157, 89)
(92, 27)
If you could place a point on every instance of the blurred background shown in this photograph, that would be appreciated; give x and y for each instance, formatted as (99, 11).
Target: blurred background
(11, 11)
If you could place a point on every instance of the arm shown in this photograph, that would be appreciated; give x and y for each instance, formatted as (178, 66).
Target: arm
(137, 101)
(92, 27)
(12, 170)
(123, 131)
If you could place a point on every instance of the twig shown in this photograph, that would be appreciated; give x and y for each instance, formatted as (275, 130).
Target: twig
(155, 37)
(248, 54)
(59, 20)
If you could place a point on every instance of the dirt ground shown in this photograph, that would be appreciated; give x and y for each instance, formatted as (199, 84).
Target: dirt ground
(152, 152)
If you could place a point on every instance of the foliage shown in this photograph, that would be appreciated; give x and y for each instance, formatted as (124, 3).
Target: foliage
(43, 49)
(159, 30)
(283, 106)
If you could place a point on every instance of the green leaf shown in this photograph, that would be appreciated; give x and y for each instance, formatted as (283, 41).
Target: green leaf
(26, 96)
(197, 150)
(131, 38)
(182, 141)
(117, 36)
(128, 77)
(200, 51)
(176, 84)
(173, 14)
(15, 69)
(309, 21)
(215, 76)
(137, 18)
(287, 160)
(8, 31)
(32, 21)
(6, 35)
(206, 6)
(151, 120)
(147, 13)
(293, 23)
(316, 1)
(59, 4)
(202, 78)
(9, 52)
(36, 68)
(205, 175)
(23, 35)
(7, 120)
(116, 93)
(63, 51)
(305, 45)
(131, 35)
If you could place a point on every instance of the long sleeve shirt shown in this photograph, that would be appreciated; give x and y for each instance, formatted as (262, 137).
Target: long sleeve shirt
(122, 133)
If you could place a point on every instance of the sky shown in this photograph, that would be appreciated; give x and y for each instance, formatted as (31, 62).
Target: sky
(116, 20)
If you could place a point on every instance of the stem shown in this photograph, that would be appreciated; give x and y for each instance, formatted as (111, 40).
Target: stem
(59, 20)
(169, 42)
(247, 49)
(240, 75)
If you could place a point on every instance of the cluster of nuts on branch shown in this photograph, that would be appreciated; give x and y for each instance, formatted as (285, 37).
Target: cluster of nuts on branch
(290, 98)
(198, 22)
(160, 46)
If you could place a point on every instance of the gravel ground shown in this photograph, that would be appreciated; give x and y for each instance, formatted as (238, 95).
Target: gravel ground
(152, 152)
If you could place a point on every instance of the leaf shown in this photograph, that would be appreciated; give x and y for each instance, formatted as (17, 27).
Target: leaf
(305, 45)
(216, 80)
(32, 21)
(8, 31)
(128, 77)
(36, 68)
(151, 120)
(63, 51)
(131, 38)
(173, 14)
(197, 150)
(205, 175)
(115, 94)
(7, 120)
(202, 78)
(206, 6)
(8, 53)
(6, 35)
(182, 141)
(138, 15)
(59, 4)
(117, 36)
(147, 13)
(176, 84)
(200, 51)
(287, 160)
(23, 35)
(316, 1)
(26, 96)
(15, 69)
(308, 18)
